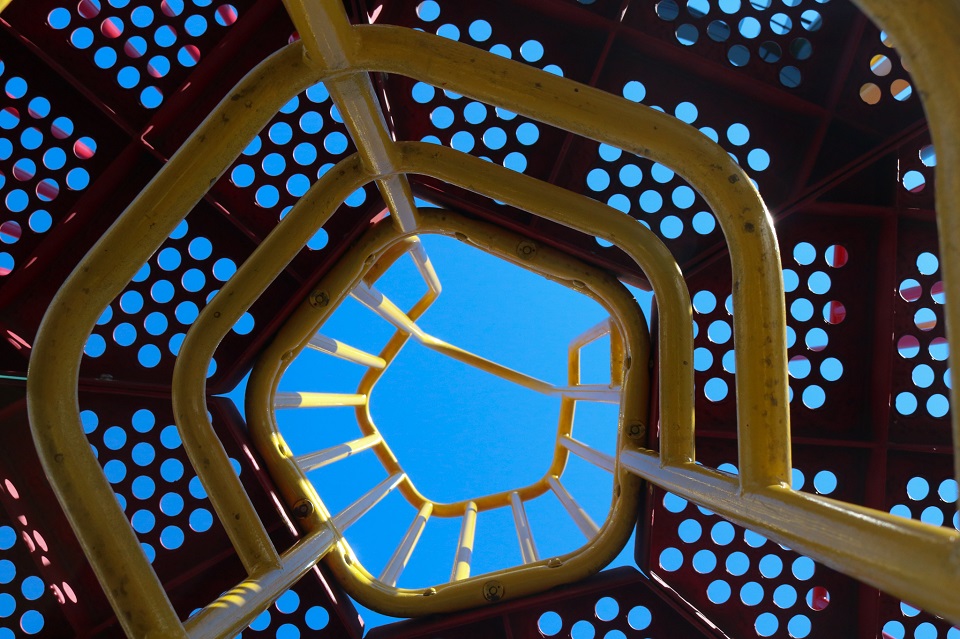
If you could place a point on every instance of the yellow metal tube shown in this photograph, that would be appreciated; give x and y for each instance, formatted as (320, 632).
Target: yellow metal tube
(590, 393)
(327, 456)
(595, 457)
(381, 304)
(907, 559)
(238, 607)
(317, 400)
(576, 512)
(760, 336)
(346, 352)
(87, 498)
(464, 556)
(362, 506)
(528, 549)
(330, 44)
(588, 215)
(391, 573)
(304, 323)
(925, 33)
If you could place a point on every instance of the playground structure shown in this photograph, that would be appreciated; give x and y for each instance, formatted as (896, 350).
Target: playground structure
(842, 156)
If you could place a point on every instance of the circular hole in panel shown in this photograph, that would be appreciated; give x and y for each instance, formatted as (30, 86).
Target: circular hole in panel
(834, 312)
(928, 156)
(910, 290)
(923, 376)
(914, 181)
(749, 27)
(880, 65)
(718, 592)
(751, 593)
(667, 10)
(583, 630)
(906, 403)
(737, 564)
(607, 609)
(932, 515)
(766, 624)
(927, 263)
(639, 618)
(790, 77)
(818, 598)
(813, 396)
(687, 34)
(722, 533)
(718, 31)
(831, 369)
(549, 623)
(770, 52)
(939, 349)
(925, 319)
(811, 20)
(937, 293)
(799, 627)
(801, 309)
(785, 596)
(531, 51)
(901, 90)
(704, 562)
(836, 256)
(671, 559)
(948, 490)
(738, 55)
(818, 283)
(938, 405)
(870, 93)
(825, 482)
(799, 367)
(816, 339)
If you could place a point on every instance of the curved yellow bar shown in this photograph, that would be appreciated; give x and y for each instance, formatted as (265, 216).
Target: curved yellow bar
(351, 269)
(763, 410)
(87, 499)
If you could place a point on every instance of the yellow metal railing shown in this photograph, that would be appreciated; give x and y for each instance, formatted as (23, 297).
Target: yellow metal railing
(914, 561)
(350, 278)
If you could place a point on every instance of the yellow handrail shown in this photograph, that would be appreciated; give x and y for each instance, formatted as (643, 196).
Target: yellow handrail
(912, 560)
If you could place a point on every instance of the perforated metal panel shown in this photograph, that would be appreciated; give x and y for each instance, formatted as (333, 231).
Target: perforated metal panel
(809, 97)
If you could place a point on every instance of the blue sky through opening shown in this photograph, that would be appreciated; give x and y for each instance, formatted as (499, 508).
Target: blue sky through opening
(458, 432)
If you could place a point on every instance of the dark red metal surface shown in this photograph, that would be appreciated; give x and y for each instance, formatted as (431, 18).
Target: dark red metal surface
(807, 94)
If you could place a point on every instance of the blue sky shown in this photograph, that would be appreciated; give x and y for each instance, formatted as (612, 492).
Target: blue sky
(459, 432)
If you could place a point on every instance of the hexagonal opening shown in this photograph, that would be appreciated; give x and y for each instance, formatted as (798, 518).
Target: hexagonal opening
(533, 491)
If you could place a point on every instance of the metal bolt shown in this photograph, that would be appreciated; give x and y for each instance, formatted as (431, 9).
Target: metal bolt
(526, 250)
(637, 431)
(319, 299)
(303, 509)
(555, 563)
(429, 592)
(493, 590)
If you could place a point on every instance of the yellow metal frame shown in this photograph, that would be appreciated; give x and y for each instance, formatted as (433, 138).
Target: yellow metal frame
(914, 561)
(353, 270)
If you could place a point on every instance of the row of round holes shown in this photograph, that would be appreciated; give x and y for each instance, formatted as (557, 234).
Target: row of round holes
(31, 587)
(606, 610)
(719, 332)
(143, 487)
(136, 46)
(881, 66)
(923, 375)
(915, 181)
(737, 564)
(750, 28)
(25, 169)
(162, 291)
